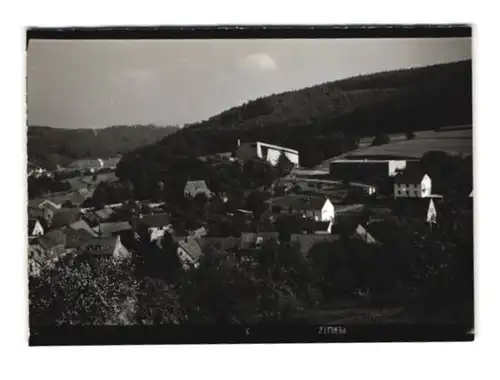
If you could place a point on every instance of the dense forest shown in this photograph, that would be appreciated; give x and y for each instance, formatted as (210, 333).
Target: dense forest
(51, 146)
(324, 120)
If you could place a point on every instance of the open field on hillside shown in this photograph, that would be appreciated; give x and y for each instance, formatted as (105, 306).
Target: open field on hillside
(455, 142)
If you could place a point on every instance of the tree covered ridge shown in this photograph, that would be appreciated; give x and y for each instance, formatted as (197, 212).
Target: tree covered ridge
(332, 99)
(51, 146)
(328, 119)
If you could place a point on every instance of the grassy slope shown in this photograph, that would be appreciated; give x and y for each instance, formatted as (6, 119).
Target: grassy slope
(455, 142)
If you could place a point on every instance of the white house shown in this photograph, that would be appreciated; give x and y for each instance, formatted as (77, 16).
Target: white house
(317, 208)
(327, 211)
(49, 209)
(431, 213)
(268, 152)
(189, 252)
(34, 228)
(412, 185)
(156, 225)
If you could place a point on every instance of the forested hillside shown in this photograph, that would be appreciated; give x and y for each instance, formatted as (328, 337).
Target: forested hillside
(324, 120)
(51, 146)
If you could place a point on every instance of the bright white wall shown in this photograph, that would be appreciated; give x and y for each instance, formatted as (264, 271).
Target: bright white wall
(328, 211)
(426, 186)
(395, 165)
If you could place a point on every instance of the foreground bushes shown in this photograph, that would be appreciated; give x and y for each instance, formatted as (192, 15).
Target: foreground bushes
(430, 271)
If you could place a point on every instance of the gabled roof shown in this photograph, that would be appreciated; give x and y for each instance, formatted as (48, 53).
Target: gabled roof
(100, 246)
(299, 202)
(226, 242)
(195, 186)
(409, 176)
(76, 238)
(82, 225)
(155, 220)
(191, 247)
(112, 228)
(65, 216)
(52, 239)
(202, 231)
(85, 192)
(46, 203)
(364, 235)
(75, 197)
(104, 213)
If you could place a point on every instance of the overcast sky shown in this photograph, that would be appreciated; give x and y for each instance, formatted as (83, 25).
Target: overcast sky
(98, 83)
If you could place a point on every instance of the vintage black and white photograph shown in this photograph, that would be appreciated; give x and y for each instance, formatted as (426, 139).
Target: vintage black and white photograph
(216, 185)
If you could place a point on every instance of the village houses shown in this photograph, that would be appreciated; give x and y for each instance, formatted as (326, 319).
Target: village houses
(155, 225)
(189, 251)
(105, 247)
(315, 207)
(65, 216)
(412, 184)
(45, 251)
(112, 228)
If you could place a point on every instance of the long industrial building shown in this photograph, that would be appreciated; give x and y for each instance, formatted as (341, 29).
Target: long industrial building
(268, 152)
(353, 169)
